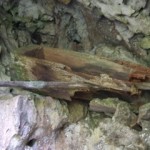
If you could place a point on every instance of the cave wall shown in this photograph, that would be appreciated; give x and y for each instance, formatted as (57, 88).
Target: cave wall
(83, 25)
(118, 29)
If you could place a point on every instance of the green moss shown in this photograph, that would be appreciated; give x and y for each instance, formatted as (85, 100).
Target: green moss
(145, 43)
(122, 19)
(65, 1)
(41, 103)
(38, 102)
(145, 109)
(64, 107)
(77, 111)
(93, 119)
(108, 102)
(32, 27)
(18, 72)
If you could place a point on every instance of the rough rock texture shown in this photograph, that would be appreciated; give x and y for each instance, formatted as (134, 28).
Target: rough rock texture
(35, 122)
(116, 29)
(129, 17)
(30, 121)
(144, 112)
(124, 115)
(107, 105)
(125, 12)
(145, 43)
(77, 111)
(81, 26)
(143, 120)
(19, 118)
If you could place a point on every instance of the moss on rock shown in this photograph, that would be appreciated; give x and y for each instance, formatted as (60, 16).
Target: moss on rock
(77, 111)
(18, 72)
(93, 119)
(145, 42)
(107, 105)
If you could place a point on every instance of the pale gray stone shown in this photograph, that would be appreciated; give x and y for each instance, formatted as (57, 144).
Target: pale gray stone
(29, 124)
(117, 53)
(124, 115)
(144, 112)
(106, 136)
(27, 8)
(18, 117)
(136, 4)
(107, 105)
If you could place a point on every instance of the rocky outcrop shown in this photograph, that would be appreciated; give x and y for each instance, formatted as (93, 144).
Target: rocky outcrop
(81, 26)
(30, 121)
(118, 30)
(108, 105)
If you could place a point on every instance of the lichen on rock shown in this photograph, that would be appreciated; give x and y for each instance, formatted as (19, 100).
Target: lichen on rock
(107, 105)
(124, 115)
(77, 111)
(145, 42)
(118, 30)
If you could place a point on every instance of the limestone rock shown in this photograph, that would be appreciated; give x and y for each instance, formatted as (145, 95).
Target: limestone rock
(77, 111)
(23, 38)
(4, 77)
(32, 27)
(33, 122)
(56, 112)
(117, 53)
(65, 1)
(144, 112)
(107, 105)
(27, 8)
(7, 34)
(107, 135)
(85, 2)
(139, 24)
(125, 33)
(119, 135)
(30, 121)
(145, 133)
(124, 12)
(136, 4)
(0, 49)
(124, 115)
(48, 29)
(19, 118)
(145, 42)
(52, 115)
(113, 8)
(47, 18)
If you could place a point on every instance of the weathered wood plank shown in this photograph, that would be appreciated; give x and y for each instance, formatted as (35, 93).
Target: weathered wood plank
(49, 64)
